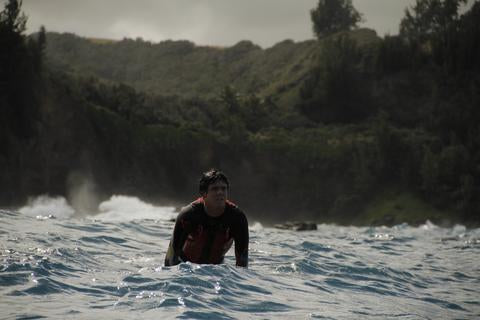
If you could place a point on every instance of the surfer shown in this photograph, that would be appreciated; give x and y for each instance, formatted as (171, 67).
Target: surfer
(205, 229)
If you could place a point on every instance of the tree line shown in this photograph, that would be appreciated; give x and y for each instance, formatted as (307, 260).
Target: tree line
(420, 83)
(368, 113)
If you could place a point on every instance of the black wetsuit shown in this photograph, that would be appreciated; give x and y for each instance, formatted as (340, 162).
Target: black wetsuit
(199, 238)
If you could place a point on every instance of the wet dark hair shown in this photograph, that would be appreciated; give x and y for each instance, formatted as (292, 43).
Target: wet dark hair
(209, 177)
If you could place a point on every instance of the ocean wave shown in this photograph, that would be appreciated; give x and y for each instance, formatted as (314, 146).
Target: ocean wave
(113, 267)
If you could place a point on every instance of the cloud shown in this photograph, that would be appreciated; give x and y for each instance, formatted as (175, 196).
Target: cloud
(207, 22)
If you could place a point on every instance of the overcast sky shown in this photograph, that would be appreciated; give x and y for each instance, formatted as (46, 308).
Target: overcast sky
(204, 22)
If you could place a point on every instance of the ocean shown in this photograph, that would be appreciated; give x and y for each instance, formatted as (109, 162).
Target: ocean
(56, 264)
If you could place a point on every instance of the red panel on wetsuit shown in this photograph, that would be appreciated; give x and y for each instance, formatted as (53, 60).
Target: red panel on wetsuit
(222, 243)
(196, 242)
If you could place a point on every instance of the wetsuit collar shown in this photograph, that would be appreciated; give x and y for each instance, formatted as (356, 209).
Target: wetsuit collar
(202, 202)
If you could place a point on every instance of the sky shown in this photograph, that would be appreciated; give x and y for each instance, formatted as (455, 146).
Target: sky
(204, 22)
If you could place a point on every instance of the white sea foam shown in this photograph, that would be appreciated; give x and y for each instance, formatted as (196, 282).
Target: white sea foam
(428, 226)
(45, 206)
(257, 226)
(119, 208)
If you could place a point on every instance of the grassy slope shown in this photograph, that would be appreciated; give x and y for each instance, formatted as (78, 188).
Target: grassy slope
(181, 68)
(178, 67)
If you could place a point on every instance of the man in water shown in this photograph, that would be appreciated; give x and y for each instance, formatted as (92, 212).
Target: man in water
(205, 229)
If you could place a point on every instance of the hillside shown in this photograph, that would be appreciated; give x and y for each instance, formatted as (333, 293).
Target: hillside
(184, 69)
(350, 128)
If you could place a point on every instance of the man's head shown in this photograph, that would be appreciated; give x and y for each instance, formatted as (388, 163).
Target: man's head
(211, 177)
(214, 189)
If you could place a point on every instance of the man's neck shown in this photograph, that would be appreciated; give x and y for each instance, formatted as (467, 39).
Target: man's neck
(213, 211)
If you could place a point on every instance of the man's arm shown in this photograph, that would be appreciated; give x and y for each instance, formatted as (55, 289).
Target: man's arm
(241, 242)
(173, 256)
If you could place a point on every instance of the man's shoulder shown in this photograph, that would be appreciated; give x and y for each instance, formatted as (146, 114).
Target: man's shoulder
(235, 212)
(190, 210)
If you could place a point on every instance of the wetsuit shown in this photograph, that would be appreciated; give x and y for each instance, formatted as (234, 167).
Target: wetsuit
(200, 238)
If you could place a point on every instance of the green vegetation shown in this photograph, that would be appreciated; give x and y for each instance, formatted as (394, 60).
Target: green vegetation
(392, 207)
(351, 128)
(332, 16)
(181, 68)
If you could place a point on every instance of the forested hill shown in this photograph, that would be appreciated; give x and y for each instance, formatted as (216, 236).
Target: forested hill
(184, 69)
(350, 128)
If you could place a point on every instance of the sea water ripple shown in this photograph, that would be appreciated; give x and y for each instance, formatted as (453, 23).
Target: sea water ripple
(110, 266)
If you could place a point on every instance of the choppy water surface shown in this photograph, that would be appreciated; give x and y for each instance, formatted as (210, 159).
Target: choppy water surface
(110, 266)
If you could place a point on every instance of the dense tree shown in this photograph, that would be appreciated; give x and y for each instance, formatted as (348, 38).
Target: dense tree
(12, 20)
(430, 18)
(20, 93)
(393, 55)
(37, 48)
(469, 47)
(338, 89)
(19, 73)
(331, 16)
(12, 26)
(231, 99)
(432, 28)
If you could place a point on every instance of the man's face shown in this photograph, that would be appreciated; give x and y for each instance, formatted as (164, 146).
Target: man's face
(216, 194)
